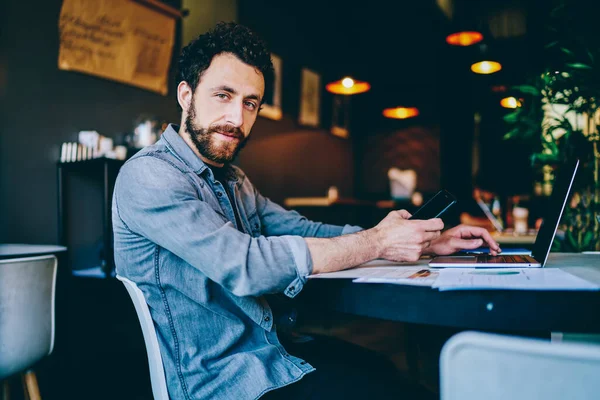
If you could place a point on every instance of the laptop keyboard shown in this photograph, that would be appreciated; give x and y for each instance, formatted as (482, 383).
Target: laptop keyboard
(502, 259)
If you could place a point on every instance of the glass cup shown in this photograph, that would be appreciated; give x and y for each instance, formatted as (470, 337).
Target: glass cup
(520, 215)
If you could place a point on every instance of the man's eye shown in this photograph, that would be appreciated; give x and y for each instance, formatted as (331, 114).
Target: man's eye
(222, 96)
(250, 105)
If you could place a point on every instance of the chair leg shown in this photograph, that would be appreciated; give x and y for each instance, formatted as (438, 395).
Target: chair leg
(5, 390)
(30, 385)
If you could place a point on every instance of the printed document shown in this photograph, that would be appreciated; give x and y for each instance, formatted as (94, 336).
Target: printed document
(510, 279)
(415, 276)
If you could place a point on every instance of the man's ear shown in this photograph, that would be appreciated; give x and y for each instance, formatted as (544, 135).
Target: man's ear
(184, 95)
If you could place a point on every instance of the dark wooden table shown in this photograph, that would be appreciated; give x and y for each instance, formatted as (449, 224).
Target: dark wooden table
(490, 310)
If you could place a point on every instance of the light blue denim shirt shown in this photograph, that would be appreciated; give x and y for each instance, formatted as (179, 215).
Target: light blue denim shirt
(203, 278)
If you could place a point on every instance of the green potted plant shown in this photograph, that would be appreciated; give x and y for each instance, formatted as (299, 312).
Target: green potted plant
(558, 117)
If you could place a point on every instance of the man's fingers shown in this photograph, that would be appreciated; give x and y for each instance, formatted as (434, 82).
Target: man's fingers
(432, 225)
(467, 244)
(485, 235)
(430, 236)
(404, 214)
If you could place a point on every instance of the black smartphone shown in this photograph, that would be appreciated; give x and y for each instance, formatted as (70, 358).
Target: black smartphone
(436, 206)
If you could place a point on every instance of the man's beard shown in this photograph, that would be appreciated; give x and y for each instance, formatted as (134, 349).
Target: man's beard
(208, 146)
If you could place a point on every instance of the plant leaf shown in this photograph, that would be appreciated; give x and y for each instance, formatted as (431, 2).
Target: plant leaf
(587, 239)
(566, 51)
(511, 134)
(512, 117)
(579, 66)
(529, 89)
(571, 240)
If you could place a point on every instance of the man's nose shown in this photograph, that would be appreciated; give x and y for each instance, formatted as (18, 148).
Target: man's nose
(235, 115)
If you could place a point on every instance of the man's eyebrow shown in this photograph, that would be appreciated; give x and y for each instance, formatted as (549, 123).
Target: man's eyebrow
(253, 97)
(225, 88)
(231, 90)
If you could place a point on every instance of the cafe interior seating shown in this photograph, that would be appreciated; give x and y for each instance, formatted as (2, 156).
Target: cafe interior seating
(157, 372)
(477, 365)
(27, 293)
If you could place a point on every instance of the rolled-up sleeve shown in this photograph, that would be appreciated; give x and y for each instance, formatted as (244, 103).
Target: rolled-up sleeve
(171, 213)
(351, 229)
(304, 264)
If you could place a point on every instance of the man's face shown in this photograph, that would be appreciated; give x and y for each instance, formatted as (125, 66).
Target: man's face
(224, 107)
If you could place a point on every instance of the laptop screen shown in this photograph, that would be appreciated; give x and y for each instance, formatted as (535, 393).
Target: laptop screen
(556, 205)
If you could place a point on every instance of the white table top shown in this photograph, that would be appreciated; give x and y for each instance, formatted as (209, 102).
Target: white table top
(11, 250)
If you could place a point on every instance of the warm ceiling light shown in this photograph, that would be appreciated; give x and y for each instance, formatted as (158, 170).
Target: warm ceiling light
(499, 88)
(347, 86)
(510, 102)
(486, 67)
(401, 112)
(464, 38)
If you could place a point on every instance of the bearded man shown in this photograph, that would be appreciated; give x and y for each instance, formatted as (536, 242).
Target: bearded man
(205, 246)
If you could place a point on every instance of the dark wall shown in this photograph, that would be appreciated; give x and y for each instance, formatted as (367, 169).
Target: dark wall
(46, 106)
(284, 159)
(414, 147)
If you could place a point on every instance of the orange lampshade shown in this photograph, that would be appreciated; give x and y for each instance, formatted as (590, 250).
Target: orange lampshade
(466, 38)
(348, 86)
(510, 102)
(401, 112)
(486, 67)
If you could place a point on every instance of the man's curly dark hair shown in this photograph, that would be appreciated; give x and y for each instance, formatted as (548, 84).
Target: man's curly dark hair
(225, 37)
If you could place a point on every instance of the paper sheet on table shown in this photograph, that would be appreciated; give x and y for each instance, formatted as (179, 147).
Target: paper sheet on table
(510, 279)
(402, 276)
(366, 269)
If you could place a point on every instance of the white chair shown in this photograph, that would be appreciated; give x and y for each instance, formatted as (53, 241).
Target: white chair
(492, 367)
(27, 293)
(157, 372)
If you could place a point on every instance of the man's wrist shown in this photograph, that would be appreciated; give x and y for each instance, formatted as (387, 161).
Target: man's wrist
(373, 240)
(430, 250)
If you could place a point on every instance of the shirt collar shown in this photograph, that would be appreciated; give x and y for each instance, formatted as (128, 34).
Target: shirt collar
(187, 155)
(182, 150)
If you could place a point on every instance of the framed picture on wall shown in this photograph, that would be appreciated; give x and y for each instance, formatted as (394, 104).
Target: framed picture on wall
(271, 107)
(310, 98)
(340, 116)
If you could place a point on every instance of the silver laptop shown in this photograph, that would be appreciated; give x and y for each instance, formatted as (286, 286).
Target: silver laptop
(543, 242)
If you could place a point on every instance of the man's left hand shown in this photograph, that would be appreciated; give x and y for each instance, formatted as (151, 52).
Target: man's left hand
(463, 237)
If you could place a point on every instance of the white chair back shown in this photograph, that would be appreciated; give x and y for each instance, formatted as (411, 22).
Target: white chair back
(157, 372)
(487, 366)
(27, 292)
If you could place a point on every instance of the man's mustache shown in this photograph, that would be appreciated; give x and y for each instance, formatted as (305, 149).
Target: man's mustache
(228, 129)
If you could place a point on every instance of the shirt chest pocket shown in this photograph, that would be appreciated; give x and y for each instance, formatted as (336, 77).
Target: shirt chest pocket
(255, 225)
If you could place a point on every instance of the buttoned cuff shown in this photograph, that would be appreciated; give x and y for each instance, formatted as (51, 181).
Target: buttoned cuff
(351, 229)
(303, 261)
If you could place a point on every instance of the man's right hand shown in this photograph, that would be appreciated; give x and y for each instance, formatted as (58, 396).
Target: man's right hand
(395, 238)
(401, 239)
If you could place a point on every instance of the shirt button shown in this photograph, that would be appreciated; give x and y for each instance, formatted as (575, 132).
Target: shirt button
(267, 318)
(292, 288)
(219, 194)
(302, 362)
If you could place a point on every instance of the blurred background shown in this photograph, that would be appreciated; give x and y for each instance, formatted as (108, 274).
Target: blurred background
(423, 114)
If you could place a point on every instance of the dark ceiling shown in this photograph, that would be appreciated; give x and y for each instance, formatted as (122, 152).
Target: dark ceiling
(372, 39)
(399, 46)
